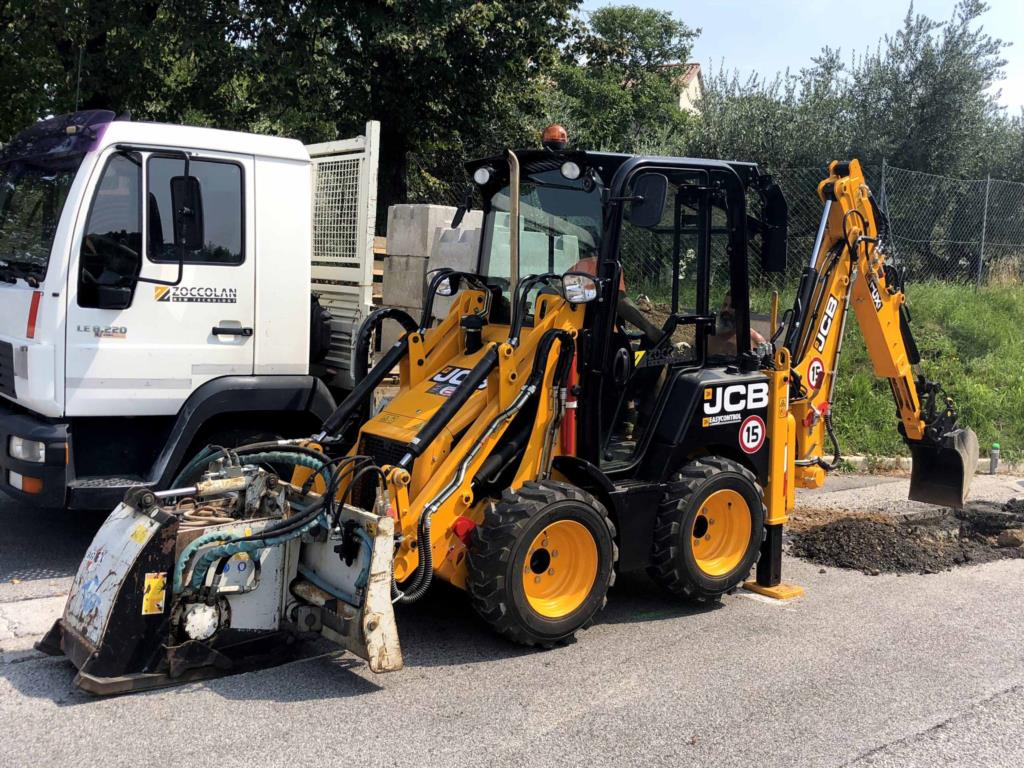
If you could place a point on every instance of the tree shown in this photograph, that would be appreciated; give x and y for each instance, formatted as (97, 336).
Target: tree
(161, 59)
(922, 100)
(441, 76)
(615, 85)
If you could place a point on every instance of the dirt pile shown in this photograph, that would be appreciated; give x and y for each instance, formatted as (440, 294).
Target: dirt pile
(980, 533)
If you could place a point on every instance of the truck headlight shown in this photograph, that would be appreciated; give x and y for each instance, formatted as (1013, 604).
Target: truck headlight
(26, 450)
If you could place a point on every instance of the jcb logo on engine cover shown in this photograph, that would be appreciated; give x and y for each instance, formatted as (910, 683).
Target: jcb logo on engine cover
(448, 379)
(826, 323)
(723, 405)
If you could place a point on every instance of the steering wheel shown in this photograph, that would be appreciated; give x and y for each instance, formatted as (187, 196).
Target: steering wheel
(109, 241)
(90, 242)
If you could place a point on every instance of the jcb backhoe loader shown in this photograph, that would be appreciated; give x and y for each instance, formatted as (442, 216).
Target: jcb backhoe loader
(546, 434)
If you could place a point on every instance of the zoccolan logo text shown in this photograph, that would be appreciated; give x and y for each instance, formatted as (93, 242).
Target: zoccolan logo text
(195, 294)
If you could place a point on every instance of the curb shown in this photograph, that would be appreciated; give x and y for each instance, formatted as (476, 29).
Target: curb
(871, 464)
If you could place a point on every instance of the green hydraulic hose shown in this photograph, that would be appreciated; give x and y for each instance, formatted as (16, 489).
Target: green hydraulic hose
(234, 547)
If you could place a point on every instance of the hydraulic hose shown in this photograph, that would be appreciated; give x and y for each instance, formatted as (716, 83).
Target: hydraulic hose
(281, 528)
(206, 456)
(836, 458)
(230, 548)
(361, 355)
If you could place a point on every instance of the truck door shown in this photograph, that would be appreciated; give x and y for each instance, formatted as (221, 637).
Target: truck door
(136, 348)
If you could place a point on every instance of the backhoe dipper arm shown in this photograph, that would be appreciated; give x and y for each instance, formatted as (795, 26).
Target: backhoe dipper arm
(848, 266)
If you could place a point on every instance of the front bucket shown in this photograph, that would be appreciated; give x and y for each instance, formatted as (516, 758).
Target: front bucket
(941, 473)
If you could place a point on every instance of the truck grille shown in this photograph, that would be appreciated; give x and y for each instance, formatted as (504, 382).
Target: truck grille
(383, 451)
(6, 369)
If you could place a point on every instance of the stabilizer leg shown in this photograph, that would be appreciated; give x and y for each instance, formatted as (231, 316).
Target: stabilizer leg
(769, 569)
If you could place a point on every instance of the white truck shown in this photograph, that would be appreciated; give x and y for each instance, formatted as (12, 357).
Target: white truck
(155, 295)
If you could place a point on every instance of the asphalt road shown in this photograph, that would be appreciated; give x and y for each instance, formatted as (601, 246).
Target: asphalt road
(865, 671)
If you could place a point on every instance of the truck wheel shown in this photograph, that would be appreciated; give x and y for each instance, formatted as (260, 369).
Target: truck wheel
(709, 529)
(541, 563)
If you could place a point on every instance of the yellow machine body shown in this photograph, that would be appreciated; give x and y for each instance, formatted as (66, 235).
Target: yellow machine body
(423, 389)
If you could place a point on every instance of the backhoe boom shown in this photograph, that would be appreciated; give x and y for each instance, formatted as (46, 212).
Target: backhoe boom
(849, 266)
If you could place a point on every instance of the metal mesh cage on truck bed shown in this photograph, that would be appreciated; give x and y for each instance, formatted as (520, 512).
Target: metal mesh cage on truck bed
(344, 217)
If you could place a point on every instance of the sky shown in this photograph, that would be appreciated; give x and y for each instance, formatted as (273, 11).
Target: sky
(767, 36)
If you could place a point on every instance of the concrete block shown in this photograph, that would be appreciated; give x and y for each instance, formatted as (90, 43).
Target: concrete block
(456, 249)
(404, 281)
(412, 228)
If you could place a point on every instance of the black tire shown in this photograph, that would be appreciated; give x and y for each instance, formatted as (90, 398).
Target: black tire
(499, 552)
(674, 565)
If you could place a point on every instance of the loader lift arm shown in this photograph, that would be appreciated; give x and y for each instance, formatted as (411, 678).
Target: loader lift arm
(849, 265)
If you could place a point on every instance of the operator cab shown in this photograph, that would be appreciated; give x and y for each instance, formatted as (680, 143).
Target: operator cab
(667, 240)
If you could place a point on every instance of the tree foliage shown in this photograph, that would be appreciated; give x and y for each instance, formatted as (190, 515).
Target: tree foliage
(454, 78)
(924, 99)
(616, 84)
(172, 60)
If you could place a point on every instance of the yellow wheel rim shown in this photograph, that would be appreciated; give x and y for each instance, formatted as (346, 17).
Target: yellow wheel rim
(721, 532)
(559, 569)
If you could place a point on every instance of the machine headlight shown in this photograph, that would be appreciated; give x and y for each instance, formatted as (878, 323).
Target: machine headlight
(26, 450)
(571, 170)
(579, 288)
(482, 175)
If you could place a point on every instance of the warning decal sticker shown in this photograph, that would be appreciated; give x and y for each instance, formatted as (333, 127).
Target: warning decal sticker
(154, 595)
(815, 373)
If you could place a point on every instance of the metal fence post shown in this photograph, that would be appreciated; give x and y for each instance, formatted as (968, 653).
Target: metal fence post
(984, 225)
(883, 203)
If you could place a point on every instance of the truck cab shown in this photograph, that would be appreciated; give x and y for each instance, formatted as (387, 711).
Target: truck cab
(154, 294)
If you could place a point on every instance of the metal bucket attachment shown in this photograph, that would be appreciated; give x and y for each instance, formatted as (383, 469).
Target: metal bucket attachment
(941, 472)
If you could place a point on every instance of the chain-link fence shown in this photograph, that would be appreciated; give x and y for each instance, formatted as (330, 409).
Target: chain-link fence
(942, 228)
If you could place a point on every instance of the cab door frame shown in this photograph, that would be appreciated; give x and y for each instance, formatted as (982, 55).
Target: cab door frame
(601, 323)
(146, 359)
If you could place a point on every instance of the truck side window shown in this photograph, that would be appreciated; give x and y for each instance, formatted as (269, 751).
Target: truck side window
(112, 243)
(220, 186)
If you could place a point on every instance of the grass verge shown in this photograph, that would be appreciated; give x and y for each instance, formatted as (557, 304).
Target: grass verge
(971, 342)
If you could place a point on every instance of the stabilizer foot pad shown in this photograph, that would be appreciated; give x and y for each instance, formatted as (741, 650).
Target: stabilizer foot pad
(779, 591)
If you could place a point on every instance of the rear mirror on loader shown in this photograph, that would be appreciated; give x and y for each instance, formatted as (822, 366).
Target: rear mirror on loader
(774, 229)
(648, 200)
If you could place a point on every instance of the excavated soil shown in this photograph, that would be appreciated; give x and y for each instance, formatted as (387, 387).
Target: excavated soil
(876, 544)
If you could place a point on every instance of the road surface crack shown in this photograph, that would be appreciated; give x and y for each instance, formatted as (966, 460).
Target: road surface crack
(953, 718)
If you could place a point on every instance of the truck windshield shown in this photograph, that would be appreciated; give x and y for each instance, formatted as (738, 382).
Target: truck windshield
(32, 196)
(560, 224)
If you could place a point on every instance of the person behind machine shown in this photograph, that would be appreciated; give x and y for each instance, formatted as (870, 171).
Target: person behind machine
(724, 340)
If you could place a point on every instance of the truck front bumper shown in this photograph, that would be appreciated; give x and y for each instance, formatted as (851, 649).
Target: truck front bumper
(40, 484)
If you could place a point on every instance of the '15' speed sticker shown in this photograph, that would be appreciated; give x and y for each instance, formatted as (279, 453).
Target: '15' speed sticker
(752, 434)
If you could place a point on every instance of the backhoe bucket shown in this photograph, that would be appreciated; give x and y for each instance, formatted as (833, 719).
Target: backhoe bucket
(941, 472)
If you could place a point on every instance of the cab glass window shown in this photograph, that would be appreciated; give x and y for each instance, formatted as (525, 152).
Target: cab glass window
(218, 188)
(109, 254)
(660, 264)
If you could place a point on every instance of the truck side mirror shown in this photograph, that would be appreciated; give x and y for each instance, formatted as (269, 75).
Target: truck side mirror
(187, 205)
(113, 297)
(648, 200)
